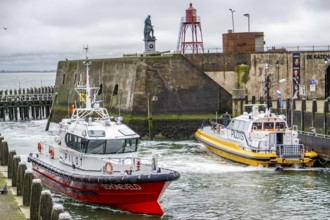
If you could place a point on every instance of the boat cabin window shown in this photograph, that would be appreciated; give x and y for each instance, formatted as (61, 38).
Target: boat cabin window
(115, 146)
(257, 125)
(268, 125)
(239, 125)
(280, 125)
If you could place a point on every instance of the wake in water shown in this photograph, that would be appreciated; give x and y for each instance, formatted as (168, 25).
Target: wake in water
(209, 186)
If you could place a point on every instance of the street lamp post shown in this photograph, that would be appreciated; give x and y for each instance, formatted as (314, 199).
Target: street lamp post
(248, 16)
(149, 109)
(277, 71)
(232, 18)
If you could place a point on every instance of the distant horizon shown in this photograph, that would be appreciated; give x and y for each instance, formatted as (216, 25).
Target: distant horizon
(25, 71)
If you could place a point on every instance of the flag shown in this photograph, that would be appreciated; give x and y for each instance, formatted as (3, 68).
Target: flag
(279, 95)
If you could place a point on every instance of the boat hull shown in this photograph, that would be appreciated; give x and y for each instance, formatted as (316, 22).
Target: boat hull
(128, 194)
(233, 152)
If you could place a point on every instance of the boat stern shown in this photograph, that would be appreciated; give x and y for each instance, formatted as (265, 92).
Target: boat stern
(287, 155)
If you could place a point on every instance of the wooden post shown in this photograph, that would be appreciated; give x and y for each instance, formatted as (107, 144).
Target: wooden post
(51, 111)
(20, 177)
(28, 177)
(36, 189)
(16, 161)
(288, 107)
(4, 153)
(314, 110)
(302, 118)
(11, 155)
(1, 140)
(57, 210)
(253, 100)
(46, 205)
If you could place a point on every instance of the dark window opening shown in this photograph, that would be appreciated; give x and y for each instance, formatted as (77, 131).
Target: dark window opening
(115, 91)
(100, 90)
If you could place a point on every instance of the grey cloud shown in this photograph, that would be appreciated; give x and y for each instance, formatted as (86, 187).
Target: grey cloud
(58, 29)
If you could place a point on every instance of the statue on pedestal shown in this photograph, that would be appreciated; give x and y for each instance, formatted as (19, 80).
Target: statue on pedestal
(148, 28)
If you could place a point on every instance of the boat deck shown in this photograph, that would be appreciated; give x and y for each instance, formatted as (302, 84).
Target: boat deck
(56, 164)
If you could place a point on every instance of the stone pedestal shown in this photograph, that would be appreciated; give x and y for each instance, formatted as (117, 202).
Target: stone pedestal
(150, 45)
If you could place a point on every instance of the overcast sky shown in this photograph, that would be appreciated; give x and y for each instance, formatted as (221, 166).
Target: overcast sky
(42, 32)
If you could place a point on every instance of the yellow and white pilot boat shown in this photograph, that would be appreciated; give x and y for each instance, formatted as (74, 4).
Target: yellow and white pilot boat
(257, 139)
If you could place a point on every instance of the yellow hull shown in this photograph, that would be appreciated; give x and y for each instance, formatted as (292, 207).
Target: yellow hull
(232, 151)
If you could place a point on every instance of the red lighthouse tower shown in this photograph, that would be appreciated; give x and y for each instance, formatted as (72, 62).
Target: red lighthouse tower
(192, 23)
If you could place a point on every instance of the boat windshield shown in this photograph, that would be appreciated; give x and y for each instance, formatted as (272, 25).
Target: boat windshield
(97, 146)
(114, 146)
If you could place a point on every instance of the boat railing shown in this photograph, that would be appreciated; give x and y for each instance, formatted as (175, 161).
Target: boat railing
(129, 165)
(47, 150)
(289, 151)
(126, 164)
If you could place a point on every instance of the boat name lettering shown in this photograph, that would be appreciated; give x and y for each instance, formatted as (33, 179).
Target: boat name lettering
(122, 186)
(237, 134)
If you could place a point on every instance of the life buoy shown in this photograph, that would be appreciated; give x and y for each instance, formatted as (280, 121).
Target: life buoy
(39, 147)
(108, 167)
(51, 153)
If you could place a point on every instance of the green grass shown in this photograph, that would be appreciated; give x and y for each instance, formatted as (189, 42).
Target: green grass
(9, 207)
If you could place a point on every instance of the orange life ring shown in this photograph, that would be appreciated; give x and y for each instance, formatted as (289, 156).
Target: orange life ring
(39, 147)
(51, 152)
(108, 167)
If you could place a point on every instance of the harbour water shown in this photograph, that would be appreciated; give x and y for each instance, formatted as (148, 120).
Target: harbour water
(209, 187)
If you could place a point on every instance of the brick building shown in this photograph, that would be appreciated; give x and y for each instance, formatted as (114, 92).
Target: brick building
(243, 42)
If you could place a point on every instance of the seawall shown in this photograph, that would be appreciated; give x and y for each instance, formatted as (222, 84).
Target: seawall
(178, 91)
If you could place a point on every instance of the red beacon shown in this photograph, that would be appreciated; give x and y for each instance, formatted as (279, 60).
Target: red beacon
(194, 41)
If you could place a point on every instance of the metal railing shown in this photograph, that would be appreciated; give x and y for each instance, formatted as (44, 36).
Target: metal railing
(271, 49)
(290, 151)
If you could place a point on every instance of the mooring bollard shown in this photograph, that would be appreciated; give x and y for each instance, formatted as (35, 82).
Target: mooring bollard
(28, 177)
(4, 153)
(64, 216)
(20, 177)
(16, 161)
(11, 155)
(36, 189)
(46, 205)
(57, 210)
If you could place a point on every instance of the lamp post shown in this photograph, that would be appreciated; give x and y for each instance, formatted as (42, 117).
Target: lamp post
(232, 18)
(326, 89)
(149, 109)
(277, 71)
(248, 16)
